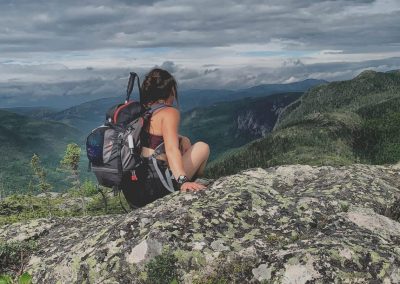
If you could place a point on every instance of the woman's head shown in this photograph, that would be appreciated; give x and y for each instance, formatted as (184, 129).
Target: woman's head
(159, 84)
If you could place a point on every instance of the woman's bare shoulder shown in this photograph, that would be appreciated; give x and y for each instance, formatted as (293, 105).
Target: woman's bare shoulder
(170, 112)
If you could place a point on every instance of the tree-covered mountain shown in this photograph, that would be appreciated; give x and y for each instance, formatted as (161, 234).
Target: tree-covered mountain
(21, 137)
(333, 124)
(228, 125)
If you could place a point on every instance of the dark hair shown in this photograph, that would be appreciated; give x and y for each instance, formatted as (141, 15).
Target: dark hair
(157, 85)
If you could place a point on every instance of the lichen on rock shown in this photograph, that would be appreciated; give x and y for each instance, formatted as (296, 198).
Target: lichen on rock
(288, 224)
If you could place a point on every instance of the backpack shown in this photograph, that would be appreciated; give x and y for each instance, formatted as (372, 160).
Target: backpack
(114, 148)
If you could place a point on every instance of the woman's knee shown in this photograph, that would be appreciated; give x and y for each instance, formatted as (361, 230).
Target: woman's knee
(203, 147)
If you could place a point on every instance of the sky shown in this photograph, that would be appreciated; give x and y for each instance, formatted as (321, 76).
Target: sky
(81, 50)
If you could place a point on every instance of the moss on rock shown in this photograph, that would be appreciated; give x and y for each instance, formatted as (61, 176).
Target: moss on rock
(315, 224)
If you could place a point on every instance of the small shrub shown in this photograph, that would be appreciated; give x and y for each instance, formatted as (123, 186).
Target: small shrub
(162, 269)
(392, 210)
(24, 278)
(344, 206)
(14, 256)
(237, 270)
(5, 279)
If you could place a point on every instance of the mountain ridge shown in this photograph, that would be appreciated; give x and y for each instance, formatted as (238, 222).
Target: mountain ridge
(330, 124)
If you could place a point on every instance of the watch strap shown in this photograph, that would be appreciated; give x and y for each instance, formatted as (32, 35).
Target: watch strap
(182, 179)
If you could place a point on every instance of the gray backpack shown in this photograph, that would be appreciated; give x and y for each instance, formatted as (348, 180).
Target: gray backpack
(114, 148)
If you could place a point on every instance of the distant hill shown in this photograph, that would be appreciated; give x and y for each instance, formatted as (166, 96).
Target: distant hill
(228, 125)
(199, 98)
(35, 112)
(21, 137)
(333, 124)
(85, 116)
(300, 86)
(88, 115)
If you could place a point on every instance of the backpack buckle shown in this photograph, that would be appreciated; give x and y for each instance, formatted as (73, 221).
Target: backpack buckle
(134, 176)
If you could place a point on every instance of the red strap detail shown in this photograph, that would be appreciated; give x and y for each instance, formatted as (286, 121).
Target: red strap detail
(119, 109)
(134, 178)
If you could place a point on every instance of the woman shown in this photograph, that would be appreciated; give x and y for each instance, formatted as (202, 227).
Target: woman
(171, 163)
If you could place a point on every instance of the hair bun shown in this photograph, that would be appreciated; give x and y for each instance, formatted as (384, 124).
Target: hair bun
(158, 84)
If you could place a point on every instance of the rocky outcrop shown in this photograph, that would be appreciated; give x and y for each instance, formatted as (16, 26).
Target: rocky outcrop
(250, 124)
(258, 122)
(289, 224)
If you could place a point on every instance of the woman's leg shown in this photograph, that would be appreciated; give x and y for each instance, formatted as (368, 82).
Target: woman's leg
(195, 159)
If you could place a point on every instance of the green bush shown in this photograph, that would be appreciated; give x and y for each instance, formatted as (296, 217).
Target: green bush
(19, 207)
(15, 255)
(24, 278)
(162, 269)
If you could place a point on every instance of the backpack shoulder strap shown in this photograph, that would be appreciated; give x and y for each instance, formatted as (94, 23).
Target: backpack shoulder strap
(158, 106)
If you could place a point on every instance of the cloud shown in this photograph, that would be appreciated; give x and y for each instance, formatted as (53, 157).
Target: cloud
(169, 66)
(112, 82)
(85, 49)
(82, 25)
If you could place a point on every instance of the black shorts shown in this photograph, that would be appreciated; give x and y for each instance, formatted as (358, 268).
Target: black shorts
(148, 187)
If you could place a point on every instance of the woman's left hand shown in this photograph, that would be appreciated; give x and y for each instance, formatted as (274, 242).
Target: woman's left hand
(192, 186)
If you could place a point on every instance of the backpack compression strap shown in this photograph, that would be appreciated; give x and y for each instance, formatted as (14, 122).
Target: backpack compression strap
(167, 183)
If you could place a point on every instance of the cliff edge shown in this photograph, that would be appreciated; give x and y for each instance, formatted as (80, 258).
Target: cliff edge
(288, 224)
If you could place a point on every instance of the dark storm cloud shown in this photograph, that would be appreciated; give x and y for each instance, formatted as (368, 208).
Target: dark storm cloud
(81, 25)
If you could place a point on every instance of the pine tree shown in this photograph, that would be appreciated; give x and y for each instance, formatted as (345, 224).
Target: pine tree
(31, 193)
(70, 164)
(2, 193)
(2, 187)
(41, 178)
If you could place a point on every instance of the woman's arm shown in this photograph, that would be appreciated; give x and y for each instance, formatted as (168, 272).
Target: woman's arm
(169, 126)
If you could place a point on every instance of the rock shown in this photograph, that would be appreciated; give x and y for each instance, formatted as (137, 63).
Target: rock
(250, 123)
(262, 272)
(288, 224)
(50, 194)
(73, 203)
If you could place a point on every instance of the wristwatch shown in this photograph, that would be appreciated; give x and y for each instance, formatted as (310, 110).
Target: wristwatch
(181, 180)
